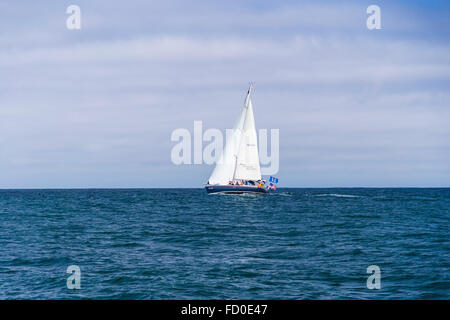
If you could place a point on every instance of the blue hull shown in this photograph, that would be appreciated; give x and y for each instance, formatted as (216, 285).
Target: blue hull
(229, 189)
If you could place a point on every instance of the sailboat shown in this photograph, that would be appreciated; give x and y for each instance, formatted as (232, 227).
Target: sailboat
(238, 170)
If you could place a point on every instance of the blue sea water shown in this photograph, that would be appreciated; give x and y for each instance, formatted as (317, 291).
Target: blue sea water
(185, 244)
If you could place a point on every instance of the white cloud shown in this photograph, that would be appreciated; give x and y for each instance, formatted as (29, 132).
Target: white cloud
(108, 104)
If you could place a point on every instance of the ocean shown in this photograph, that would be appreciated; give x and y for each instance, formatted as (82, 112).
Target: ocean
(185, 244)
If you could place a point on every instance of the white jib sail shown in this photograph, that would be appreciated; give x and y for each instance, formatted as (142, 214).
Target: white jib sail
(247, 164)
(239, 159)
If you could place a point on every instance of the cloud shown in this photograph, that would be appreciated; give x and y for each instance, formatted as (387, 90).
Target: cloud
(101, 104)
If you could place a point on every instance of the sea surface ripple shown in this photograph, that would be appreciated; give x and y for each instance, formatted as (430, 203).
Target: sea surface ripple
(185, 244)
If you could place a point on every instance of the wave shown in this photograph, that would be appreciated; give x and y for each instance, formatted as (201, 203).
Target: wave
(245, 194)
(283, 194)
(336, 195)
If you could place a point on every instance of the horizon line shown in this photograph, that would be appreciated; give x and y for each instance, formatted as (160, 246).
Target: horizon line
(148, 188)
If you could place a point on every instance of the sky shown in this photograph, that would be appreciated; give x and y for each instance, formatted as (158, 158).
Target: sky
(95, 107)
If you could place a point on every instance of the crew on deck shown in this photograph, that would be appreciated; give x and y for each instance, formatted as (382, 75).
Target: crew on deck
(259, 183)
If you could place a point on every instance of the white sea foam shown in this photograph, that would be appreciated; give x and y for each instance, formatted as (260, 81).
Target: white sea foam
(336, 195)
(283, 194)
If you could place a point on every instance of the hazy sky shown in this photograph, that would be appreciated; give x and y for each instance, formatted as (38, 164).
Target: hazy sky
(96, 107)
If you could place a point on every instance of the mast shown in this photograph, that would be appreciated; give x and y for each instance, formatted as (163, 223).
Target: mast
(247, 98)
(235, 166)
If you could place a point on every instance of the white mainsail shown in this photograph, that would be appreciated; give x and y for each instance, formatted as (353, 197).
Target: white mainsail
(240, 158)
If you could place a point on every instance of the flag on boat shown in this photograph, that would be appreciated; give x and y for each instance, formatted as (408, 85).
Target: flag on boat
(273, 179)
